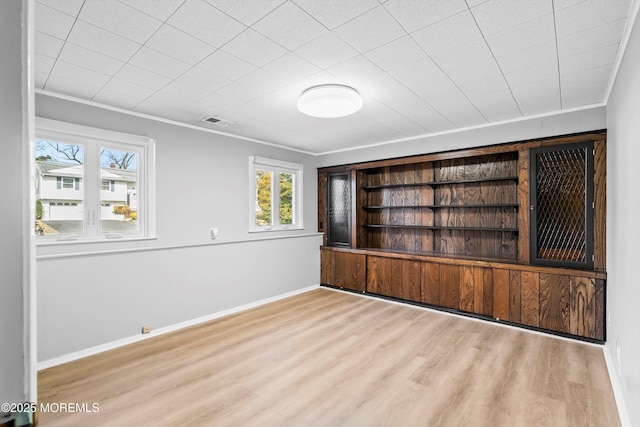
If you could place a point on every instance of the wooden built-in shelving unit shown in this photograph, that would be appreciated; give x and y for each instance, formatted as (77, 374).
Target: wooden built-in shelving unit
(452, 230)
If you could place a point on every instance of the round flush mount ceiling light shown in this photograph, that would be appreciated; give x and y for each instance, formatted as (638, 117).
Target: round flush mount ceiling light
(328, 101)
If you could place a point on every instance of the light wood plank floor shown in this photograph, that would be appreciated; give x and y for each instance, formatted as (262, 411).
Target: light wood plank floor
(327, 358)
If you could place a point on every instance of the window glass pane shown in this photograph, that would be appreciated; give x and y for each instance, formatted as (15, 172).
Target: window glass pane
(59, 187)
(118, 191)
(286, 198)
(263, 197)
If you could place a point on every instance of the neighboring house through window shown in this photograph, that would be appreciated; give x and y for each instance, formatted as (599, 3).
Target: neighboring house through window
(92, 183)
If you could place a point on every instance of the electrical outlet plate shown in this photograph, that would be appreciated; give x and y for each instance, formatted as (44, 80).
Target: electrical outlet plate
(146, 329)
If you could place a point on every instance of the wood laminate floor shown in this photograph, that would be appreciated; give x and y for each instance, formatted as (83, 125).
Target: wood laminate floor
(327, 358)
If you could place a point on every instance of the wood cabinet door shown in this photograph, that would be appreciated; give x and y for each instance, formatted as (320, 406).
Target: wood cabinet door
(396, 278)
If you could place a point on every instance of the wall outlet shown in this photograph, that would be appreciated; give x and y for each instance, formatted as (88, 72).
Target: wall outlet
(146, 329)
(213, 232)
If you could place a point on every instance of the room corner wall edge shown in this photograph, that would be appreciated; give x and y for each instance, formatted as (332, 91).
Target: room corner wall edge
(617, 388)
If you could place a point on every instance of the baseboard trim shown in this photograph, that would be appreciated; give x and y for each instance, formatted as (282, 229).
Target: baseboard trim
(617, 388)
(167, 329)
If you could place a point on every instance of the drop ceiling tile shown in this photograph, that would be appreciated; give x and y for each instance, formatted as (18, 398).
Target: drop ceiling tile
(589, 14)
(326, 51)
(525, 35)
(79, 74)
(593, 38)
(538, 97)
(243, 113)
(102, 41)
(226, 65)
(47, 45)
(598, 75)
(416, 14)
(291, 67)
(89, 59)
(588, 60)
(180, 45)
(563, 4)
(423, 77)
(485, 87)
(206, 80)
(468, 63)
(370, 30)
(161, 104)
(447, 34)
(333, 13)
(240, 93)
(498, 15)
(70, 7)
(52, 22)
(417, 110)
(142, 77)
(158, 9)
(497, 106)
(205, 22)
(72, 87)
(474, 3)
(528, 57)
(546, 71)
(157, 62)
(396, 54)
(300, 29)
(44, 64)
(454, 106)
(214, 104)
(585, 94)
(40, 79)
(117, 99)
(128, 89)
(183, 90)
(365, 76)
(262, 81)
(247, 11)
(119, 19)
(254, 48)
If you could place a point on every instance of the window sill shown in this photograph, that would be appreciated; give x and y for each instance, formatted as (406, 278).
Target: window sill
(267, 230)
(81, 241)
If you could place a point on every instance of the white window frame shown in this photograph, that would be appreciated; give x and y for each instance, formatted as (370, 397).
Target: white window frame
(92, 139)
(276, 167)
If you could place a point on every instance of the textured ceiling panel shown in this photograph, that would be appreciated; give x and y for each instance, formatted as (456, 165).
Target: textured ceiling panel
(422, 66)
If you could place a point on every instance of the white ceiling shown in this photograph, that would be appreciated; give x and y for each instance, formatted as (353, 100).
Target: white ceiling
(422, 66)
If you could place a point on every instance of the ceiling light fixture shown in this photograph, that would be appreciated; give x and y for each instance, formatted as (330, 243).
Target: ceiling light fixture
(328, 101)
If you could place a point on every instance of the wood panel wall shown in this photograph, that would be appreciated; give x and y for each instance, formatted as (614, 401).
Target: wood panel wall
(552, 299)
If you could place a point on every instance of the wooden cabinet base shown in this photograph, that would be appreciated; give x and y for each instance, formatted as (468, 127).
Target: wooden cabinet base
(558, 301)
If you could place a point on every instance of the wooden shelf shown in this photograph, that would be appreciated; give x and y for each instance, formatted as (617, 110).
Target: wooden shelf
(438, 183)
(438, 227)
(497, 205)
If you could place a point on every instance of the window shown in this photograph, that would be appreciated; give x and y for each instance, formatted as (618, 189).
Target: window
(92, 184)
(276, 195)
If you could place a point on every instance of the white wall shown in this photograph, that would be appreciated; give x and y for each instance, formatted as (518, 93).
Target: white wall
(202, 182)
(15, 380)
(623, 223)
(560, 124)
